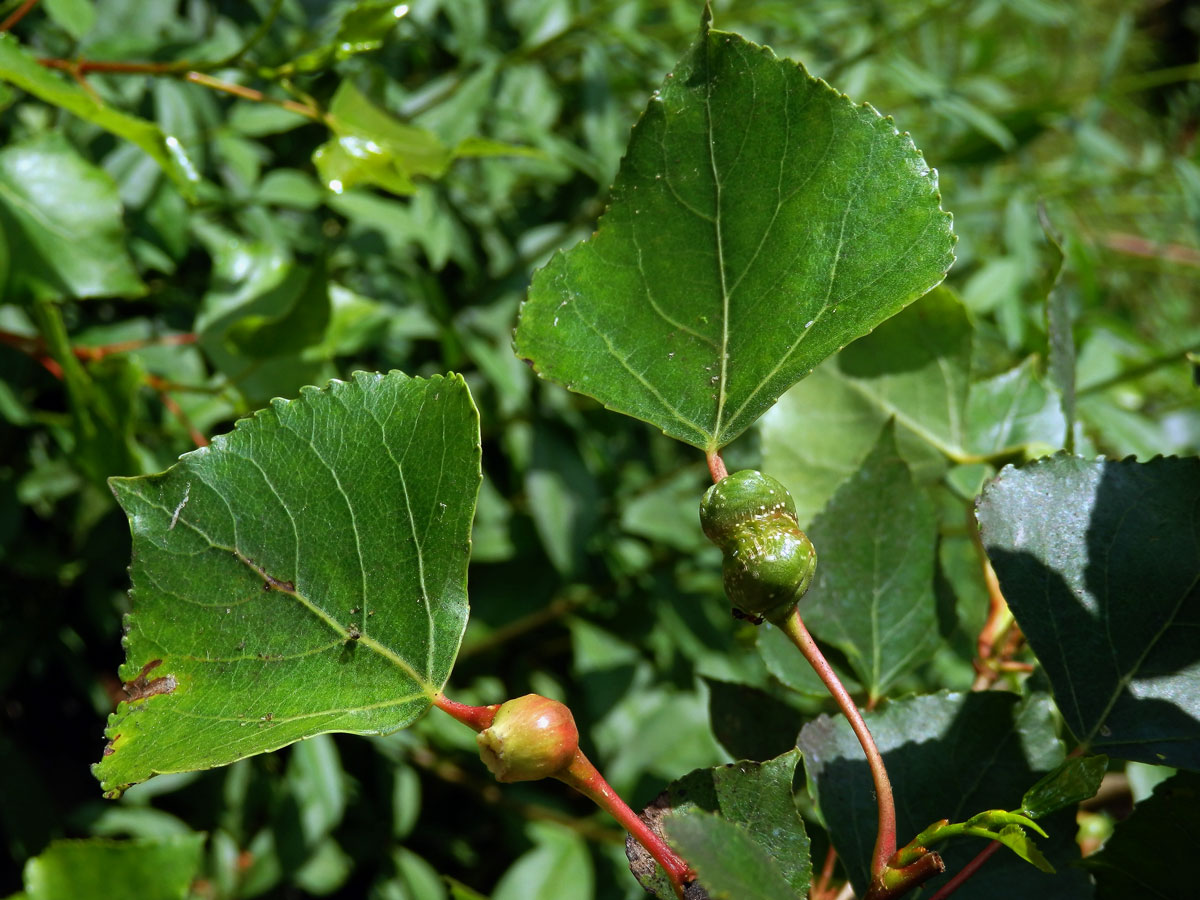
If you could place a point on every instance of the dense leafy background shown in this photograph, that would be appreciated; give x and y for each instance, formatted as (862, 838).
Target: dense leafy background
(589, 579)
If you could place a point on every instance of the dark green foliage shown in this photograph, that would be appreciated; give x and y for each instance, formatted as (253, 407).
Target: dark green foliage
(377, 195)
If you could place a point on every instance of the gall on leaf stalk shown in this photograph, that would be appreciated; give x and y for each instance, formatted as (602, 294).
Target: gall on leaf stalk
(769, 564)
(534, 737)
(768, 561)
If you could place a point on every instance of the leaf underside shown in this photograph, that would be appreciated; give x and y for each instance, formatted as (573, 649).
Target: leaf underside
(305, 573)
(759, 222)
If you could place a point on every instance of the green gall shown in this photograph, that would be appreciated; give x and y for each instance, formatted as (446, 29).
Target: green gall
(531, 737)
(769, 562)
(739, 498)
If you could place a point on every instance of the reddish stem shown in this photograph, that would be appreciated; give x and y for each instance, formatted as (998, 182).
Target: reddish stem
(586, 778)
(821, 888)
(966, 872)
(885, 837)
(17, 15)
(176, 410)
(238, 90)
(92, 354)
(184, 69)
(716, 466)
(475, 717)
(113, 67)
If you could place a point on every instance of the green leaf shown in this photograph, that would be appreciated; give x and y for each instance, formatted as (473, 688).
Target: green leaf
(1061, 298)
(19, 68)
(257, 287)
(1153, 853)
(759, 222)
(1098, 562)
(374, 147)
(872, 596)
(728, 861)
(371, 146)
(363, 28)
(1076, 780)
(159, 869)
(754, 797)
(297, 318)
(557, 868)
(62, 220)
(914, 368)
(784, 661)
(76, 16)
(1015, 839)
(1014, 412)
(947, 755)
(305, 573)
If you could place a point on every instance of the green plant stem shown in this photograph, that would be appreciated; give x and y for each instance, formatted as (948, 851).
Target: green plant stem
(1137, 371)
(885, 836)
(491, 793)
(257, 35)
(585, 778)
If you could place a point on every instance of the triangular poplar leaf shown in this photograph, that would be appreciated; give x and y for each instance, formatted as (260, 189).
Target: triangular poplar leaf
(759, 222)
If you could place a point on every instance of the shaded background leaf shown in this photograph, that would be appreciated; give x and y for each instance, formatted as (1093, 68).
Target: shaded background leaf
(999, 744)
(1098, 561)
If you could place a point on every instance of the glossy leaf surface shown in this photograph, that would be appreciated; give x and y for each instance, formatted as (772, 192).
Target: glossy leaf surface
(1076, 780)
(729, 864)
(760, 221)
(62, 221)
(1098, 561)
(305, 573)
(19, 68)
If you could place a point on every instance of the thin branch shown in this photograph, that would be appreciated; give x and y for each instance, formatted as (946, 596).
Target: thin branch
(228, 87)
(1138, 371)
(820, 890)
(966, 872)
(490, 793)
(176, 410)
(186, 70)
(554, 610)
(257, 35)
(587, 780)
(17, 15)
(92, 354)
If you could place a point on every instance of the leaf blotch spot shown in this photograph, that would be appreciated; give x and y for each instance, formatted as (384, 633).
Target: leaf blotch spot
(141, 687)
